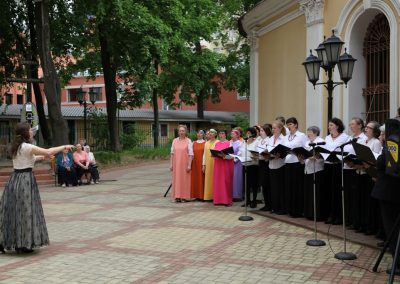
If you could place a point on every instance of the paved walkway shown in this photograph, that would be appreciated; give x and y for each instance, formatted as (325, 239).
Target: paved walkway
(124, 231)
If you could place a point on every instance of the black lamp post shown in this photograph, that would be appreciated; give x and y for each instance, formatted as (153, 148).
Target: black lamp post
(82, 101)
(328, 56)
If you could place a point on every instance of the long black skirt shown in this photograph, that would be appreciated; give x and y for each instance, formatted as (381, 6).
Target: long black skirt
(263, 177)
(22, 223)
(351, 195)
(294, 189)
(332, 191)
(320, 205)
(277, 181)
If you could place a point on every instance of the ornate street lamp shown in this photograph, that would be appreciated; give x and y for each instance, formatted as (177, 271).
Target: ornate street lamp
(81, 96)
(328, 56)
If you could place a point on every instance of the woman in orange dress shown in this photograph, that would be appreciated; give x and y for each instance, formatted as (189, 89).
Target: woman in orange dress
(181, 165)
(197, 167)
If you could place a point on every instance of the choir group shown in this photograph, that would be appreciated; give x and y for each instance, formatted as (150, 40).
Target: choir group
(286, 179)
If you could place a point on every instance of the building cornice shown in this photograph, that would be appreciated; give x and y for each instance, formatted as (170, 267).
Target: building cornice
(264, 11)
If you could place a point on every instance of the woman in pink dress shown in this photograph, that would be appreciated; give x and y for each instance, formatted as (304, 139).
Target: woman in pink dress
(181, 165)
(223, 174)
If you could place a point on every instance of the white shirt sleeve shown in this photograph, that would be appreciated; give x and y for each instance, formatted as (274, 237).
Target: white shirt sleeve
(190, 148)
(172, 146)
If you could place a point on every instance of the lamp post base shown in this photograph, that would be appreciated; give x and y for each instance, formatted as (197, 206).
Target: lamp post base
(345, 256)
(315, 243)
(246, 218)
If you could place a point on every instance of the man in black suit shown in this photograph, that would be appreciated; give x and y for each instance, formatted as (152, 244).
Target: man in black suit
(387, 191)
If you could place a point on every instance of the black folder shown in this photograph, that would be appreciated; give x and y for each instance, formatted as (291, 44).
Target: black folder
(351, 158)
(281, 150)
(364, 153)
(301, 151)
(217, 153)
(319, 149)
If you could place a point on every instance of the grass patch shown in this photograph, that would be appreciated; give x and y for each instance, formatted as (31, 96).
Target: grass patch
(149, 153)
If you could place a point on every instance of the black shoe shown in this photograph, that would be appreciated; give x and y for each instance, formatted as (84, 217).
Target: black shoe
(396, 271)
(328, 221)
(337, 222)
(253, 204)
(2, 249)
(265, 208)
(23, 250)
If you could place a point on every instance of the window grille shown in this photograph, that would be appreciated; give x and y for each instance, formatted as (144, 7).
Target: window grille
(377, 58)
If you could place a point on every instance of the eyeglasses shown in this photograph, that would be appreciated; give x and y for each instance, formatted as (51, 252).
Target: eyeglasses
(369, 127)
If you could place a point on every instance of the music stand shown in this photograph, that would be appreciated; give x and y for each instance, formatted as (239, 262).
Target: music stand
(165, 195)
(245, 217)
(344, 255)
(315, 242)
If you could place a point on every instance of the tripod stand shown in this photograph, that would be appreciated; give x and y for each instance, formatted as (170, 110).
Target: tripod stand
(245, 217)
(315, 242)
(385, 247)
(344, 255)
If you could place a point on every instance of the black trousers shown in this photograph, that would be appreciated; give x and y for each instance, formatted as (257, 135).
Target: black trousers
(294, 189)
(67, 177)
(264, 182)
(252, 182)
(320, 204)
(277, 182)
(390, 212)
(94, 173)
(332, 191)
(351, 195)
(81, 171)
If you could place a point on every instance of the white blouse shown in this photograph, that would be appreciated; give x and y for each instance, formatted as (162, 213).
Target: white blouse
(309, 164)
(24, 158)
(298, 139)
(276, 163)
(252, 147)
(350, 149)
(262, 144)
(333, 144)
(374, 144)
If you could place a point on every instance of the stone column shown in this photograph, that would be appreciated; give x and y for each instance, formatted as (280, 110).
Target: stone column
(254, 78)
(314, 13)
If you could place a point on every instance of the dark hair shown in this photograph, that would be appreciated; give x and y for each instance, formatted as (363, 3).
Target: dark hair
(223, 130)
(267, 129)
(252, 130)
(21, 135)
(281, 119)
(375, 128)
(292, 120)
(257, 128)
(359, 121)
(338, 123)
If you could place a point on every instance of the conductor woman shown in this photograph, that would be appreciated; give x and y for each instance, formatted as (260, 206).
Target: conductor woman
(22, 223)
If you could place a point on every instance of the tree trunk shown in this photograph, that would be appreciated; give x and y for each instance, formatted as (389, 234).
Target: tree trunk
(201, 95)
(110, 72)
(52, 86)
(34, 74)
(155, 110)
(200, 105)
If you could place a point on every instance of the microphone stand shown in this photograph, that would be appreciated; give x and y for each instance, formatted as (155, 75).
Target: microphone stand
(245, 217)
(344, 255)
(315, 242)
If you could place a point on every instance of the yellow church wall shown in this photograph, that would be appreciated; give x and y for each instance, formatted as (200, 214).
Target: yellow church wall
(282, 78)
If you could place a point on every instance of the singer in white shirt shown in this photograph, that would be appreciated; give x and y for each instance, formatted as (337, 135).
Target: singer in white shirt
(370, 217)
(294, 170)
(277, 170)
(333, 172)
(263, 167)
(314, 164)
(353, 189)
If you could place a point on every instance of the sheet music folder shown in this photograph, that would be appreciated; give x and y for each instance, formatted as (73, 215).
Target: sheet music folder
(301, 151)
(218, 153)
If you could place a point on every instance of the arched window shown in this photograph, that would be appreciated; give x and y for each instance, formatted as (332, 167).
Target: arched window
(377, 57)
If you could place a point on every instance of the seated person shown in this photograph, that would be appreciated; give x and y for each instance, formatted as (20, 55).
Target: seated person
(81, 160)
(65, 169)
(94, 173)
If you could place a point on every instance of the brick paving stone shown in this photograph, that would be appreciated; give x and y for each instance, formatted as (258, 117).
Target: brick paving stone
(124, 231)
